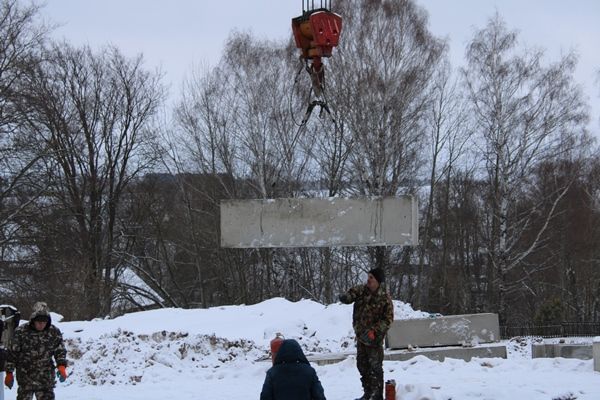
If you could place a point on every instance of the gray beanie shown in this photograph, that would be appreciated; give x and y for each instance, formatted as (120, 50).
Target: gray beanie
(40, 311)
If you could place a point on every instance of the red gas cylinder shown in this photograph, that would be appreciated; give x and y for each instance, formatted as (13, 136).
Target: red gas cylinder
(390, 390)
(275, 345)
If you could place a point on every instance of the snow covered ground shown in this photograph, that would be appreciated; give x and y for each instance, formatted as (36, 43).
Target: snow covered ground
(219, 353)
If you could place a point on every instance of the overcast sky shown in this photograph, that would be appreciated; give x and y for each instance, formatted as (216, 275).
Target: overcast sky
(179, 34)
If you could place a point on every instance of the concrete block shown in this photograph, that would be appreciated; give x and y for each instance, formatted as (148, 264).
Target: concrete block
(433, 353)
(541, 351)
(470, 329)
(564, 350)
(318, 222)
(596, 353)
(441, 353)
(327, 359)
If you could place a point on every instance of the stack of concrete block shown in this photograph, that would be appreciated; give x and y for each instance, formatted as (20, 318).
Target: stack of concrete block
(453, 330)
(455, 336)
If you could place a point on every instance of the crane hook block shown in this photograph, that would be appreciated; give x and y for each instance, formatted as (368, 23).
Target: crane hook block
(316, 33)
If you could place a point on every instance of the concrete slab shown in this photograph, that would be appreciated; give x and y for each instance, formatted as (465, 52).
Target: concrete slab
(552, 350)
(444, 331)
(441, 353)
(330, 358)
(319, 222)
(433, 353)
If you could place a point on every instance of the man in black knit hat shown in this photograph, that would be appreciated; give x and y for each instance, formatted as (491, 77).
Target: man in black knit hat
(372, 316)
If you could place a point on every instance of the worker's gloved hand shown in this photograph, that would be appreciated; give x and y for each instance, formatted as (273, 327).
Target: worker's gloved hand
(344, 298)
(61, 373)
(371, 335)
(368, 337)
(9, 380)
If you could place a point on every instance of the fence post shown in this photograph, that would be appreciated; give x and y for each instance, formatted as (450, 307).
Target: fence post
(596, 353)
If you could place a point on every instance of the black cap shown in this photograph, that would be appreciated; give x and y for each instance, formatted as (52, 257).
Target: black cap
(41, 318)
(378, 274)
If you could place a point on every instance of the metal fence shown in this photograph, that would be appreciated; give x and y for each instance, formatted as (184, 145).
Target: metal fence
(565, 329)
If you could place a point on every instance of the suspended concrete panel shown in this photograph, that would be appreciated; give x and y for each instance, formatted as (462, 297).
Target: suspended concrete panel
(302, 222)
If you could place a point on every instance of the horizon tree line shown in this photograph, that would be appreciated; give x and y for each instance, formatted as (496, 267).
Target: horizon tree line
(99, 180)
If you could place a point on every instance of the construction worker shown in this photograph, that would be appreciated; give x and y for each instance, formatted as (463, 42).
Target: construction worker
(35, 348)
(371, 318)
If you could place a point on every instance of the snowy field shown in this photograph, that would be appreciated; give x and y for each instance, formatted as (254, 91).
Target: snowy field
(218, 354)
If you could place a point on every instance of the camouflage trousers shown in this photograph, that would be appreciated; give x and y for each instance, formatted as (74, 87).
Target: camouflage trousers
(369, 361)
(40, 394)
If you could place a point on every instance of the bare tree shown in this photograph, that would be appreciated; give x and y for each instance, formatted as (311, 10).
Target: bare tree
(174, 233)
(204, 121)
(382, 77)
(234, 125)
(22, 36)
(526, 113)
(21, 41)
(565, 280)
(92, 111)
(598, 82)
(269, 143)
(449, 136)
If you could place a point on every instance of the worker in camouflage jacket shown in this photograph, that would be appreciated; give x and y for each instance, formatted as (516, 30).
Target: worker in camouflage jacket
(371, 318)
(35, 348)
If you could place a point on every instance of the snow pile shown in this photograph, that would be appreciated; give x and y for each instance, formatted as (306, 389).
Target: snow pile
(222, 353)
(122, 357)
(131, 349)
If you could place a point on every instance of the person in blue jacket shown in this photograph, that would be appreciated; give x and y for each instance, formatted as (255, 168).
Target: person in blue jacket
(291, 377)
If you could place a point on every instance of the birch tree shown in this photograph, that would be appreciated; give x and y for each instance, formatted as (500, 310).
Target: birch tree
(382, 77)
(449, 135)
(525, 112)
(236, 125)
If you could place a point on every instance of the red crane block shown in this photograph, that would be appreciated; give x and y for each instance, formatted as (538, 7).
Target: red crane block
(317, 33)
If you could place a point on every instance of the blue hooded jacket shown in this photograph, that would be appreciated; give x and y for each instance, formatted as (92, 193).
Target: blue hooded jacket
(291, 377)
